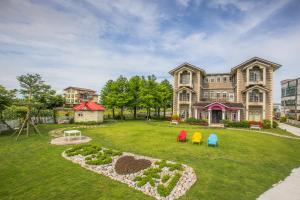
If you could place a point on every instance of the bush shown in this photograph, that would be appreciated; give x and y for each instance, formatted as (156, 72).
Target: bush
(175, 117)
(275, 124)
(225, 122)
(192, 120)
(241, 124)
(266, 124)
(282, 119)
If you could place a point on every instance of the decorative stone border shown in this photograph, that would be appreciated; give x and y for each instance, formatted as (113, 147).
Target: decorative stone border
(187, 179)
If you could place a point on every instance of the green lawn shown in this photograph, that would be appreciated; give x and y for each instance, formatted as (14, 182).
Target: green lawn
(243, 166)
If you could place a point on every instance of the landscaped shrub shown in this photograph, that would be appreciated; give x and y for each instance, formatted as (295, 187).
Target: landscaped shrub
(266, 123)
(148, 176)
(166, 190)
(275, 124)
(195, 121)
(225, 122)
(241, 124)
(282, 119)
(171, 166)
(165, 178)
(175, 117)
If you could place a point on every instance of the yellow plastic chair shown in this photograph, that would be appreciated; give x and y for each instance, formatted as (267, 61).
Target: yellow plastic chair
(197, 138)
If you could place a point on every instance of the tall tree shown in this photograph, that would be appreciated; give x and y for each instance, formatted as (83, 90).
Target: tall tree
(6, 100)
(134, 87)
(108, 96)
(41, 97)
(122, 94)
(165, 92)
(148, 93)
(31, 85)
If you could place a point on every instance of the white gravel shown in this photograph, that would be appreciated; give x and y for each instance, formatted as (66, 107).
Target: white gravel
(188, 177)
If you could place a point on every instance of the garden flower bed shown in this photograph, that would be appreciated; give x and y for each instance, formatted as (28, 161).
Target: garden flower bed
(160, 179)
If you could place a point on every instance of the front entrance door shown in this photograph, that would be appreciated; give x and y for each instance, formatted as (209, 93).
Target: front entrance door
(216, 116)
(184, 114)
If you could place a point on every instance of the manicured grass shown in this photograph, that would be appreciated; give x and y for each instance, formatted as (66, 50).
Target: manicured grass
(243, 166)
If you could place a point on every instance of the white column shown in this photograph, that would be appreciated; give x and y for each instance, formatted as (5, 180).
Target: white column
(179, 76)
(190, 106)
(238, 117)
(178, 103)
(209, 116)
(223, 114)
(196, 113)
(191, 81)
(264, 104)
(264, 75)
(247, 76)
(247, 107)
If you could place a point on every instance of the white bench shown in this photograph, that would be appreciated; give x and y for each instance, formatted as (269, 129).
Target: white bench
(174, 122)
(254, 126)
(69, 133)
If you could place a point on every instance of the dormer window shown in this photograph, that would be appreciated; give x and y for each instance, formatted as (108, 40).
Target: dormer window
(255, 74)
(185, 77)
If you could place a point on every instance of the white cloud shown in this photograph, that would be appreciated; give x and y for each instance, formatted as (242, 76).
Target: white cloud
(183, 3)
(83, 47)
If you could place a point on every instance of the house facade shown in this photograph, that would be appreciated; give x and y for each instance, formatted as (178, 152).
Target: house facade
(246, 92)
(74, 95)
(290, 98)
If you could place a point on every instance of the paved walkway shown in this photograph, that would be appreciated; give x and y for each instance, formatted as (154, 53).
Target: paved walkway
(292, 129)
(289, 189)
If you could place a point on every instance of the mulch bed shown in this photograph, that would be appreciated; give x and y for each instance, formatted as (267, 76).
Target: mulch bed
(129, 165)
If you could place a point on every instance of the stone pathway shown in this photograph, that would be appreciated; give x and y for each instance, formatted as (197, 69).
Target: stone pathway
(292, 129)
(289, 189)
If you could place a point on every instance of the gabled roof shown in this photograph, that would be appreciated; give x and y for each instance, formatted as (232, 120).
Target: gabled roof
(185, 88)
(78, 88)
(275, 65)
(185, 64)
(256, 87)
(89, 105)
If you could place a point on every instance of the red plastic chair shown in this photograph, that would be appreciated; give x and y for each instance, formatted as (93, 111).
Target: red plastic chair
(182, 136)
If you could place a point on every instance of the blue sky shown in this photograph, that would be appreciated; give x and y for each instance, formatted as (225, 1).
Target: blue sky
(87, 42)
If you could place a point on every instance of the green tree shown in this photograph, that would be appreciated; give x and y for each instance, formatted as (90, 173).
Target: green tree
(6, 100)
(148, 93)
(108, 96)
(134, 87)
(31, 85)
(165, 93)
(123, 97)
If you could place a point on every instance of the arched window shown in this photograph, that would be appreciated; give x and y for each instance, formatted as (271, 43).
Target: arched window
(255, 74)
(255, 96)
(185, 77)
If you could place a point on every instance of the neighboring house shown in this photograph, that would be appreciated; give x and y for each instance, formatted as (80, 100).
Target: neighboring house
(244, 93)
(277, 110)
(290, 98)
(74, 95)
(88, 111)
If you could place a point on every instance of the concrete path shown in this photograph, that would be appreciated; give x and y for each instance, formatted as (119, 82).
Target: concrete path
(289, 189)
(292, 129)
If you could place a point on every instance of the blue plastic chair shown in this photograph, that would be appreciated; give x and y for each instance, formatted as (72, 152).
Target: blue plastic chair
(212, 140)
